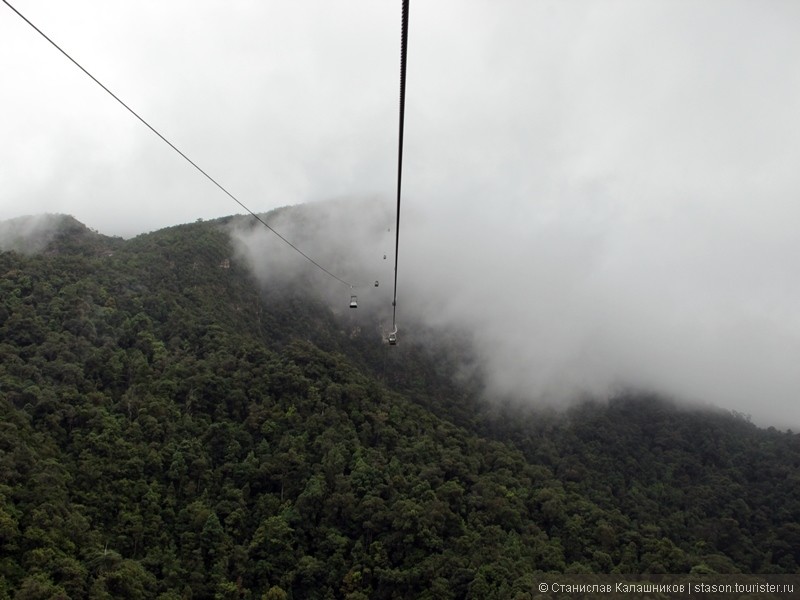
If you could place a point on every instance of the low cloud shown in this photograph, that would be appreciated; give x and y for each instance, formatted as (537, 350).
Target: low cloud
(597, 197)
(29, 234)
(560, 308)
(353, 240)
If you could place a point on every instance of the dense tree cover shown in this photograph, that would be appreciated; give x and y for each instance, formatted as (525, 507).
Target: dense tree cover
(169, 429)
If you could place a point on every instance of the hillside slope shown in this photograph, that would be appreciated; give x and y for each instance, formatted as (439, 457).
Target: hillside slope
(173, 428)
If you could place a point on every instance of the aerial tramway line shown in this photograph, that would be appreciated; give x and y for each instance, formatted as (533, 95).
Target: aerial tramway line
(391, 336)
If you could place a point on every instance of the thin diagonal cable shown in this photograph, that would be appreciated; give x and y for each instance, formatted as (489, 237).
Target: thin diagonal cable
(403, 62)
(171, 145)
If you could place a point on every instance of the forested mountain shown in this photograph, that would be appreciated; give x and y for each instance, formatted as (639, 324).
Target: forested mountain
(171, 428)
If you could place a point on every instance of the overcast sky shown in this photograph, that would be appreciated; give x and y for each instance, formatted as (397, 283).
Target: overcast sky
(606, 193)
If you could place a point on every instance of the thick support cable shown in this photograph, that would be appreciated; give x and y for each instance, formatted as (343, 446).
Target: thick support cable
(186, 158)
(403, 61)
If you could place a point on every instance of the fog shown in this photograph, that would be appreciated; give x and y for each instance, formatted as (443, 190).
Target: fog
(29, 234)
(565, 315)
(601, 194)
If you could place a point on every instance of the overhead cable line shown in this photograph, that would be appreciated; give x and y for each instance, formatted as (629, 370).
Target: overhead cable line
(403, 61)
(186, 158)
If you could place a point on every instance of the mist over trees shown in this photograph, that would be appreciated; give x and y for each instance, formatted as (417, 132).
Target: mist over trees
(174, 425)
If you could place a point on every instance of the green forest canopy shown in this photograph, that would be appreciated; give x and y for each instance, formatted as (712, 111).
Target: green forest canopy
(172, 429)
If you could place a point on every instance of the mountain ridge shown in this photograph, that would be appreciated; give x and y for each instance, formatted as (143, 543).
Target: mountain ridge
(175, 426)
(54, 233)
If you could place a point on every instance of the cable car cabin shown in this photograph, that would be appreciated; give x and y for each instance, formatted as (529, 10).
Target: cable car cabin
(392, 339)
(353, 302)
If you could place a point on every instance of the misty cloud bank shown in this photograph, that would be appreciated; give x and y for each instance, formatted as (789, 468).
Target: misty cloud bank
(598, 197)
(560, 307)
(30, 234)
(348, 238)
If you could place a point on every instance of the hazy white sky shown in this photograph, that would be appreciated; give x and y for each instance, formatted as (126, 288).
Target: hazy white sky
(605, 192)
